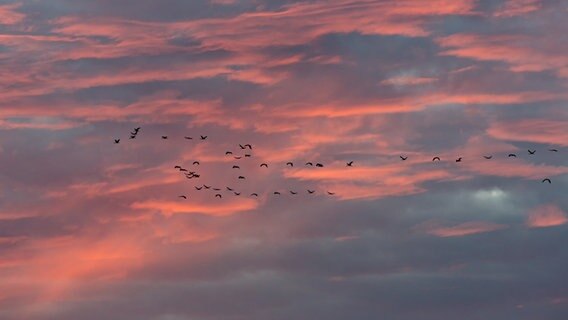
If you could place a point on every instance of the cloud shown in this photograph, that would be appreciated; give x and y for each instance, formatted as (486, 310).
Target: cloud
(460, 230)
(546, 216)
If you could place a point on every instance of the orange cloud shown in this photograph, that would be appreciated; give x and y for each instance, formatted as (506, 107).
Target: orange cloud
(460, 230)
(9, 15)
(532, 130)
(546, 216)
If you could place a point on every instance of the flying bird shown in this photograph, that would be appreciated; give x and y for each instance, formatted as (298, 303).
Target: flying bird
(218, 196)
(133, 136)
(553, 150)
(116, 141)
(546, 180)
(436, 158)
(459, 159)
(237, 193)
(264, 165)
(207, 187)
(236, 167)
(198, 188)
(196, 163)
(216, 189)
(248, 146)
(247, 155)
(403, 158)
(254, 194)
(292, 192)
(309, 164)
(531, 151)
(203, 137)
(488, 157)
(319, 165)
(350, 163)
(188, 138)
(238, 158)
(184, 197)
(311, 191)
(137, 129)
(164, 137)
(228, 153)
(276, 193)
(242, 178)
(230, 189)
(289, 164)
(177, 167)
(331, 193)
(183, 170)
(512, 155)
(242, 147)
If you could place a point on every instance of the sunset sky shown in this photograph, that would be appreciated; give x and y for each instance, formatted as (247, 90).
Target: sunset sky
(92, 230)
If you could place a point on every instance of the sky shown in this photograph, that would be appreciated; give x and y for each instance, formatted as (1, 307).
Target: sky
(91, 229)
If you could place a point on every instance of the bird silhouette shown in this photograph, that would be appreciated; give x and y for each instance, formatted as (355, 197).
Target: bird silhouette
(164, 137)
(216, 189)
(183, 170)
(184, 197)
(188, 138)
(230, 189)
(546, 180)
(293, 192)
(319, 165)
(116, 141)
(237, 193)
(553, 150)
(198, 188)
(289, 164)
(248, 146)
(228, 153)
(132, 136)
(488, 157)
(218, 196)
(242, 178)
(436, 158)
(238, 158)
(254, 194)
(207, 187)
(196, 163)
(311, 191)
(264, 165)
(403, 158)
(512, 155)
(177, 167)
(331, 193)
(350, 163)
(309, 164)
(459, 159)
(236, 167)
(203, 137)
(531, 151)
(276, 193)
(137, 129)
(247, 155)
(242, 147)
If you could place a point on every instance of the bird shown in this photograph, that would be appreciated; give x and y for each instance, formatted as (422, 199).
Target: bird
(177, 167)
(531, 151)
(198, 188)
(292, 192)
(309, 164)
(331, 193)
(276, 193)
(203, 137)
(488, 157)
(188, 138)
(436, 158)
(238, 158)
(137, 129)
(116, 141)
(546, 180)
(512, 155)
(350, 163)
(242, 147)
(216, 189)
(133, 136)
(247, 155)
(230, 189)
(311, 191)
(248, 146)
(196, 163)
(195, 175)
(207, 187)
(237, 193)
(459, 159)
(553, 150)
(184, 197)
(236, 167)
(164, 137)
(264, 165)
(228, 153)
(319, 165)
(183, 170)
(218, 196)
(289, 164)
(242, 178)
(254, 194)
(403, 158)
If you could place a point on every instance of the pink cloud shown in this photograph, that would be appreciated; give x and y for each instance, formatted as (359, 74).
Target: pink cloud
(546, 216)
(460, 230)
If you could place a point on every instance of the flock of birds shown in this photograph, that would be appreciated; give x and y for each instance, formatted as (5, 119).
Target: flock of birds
(248, 147)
